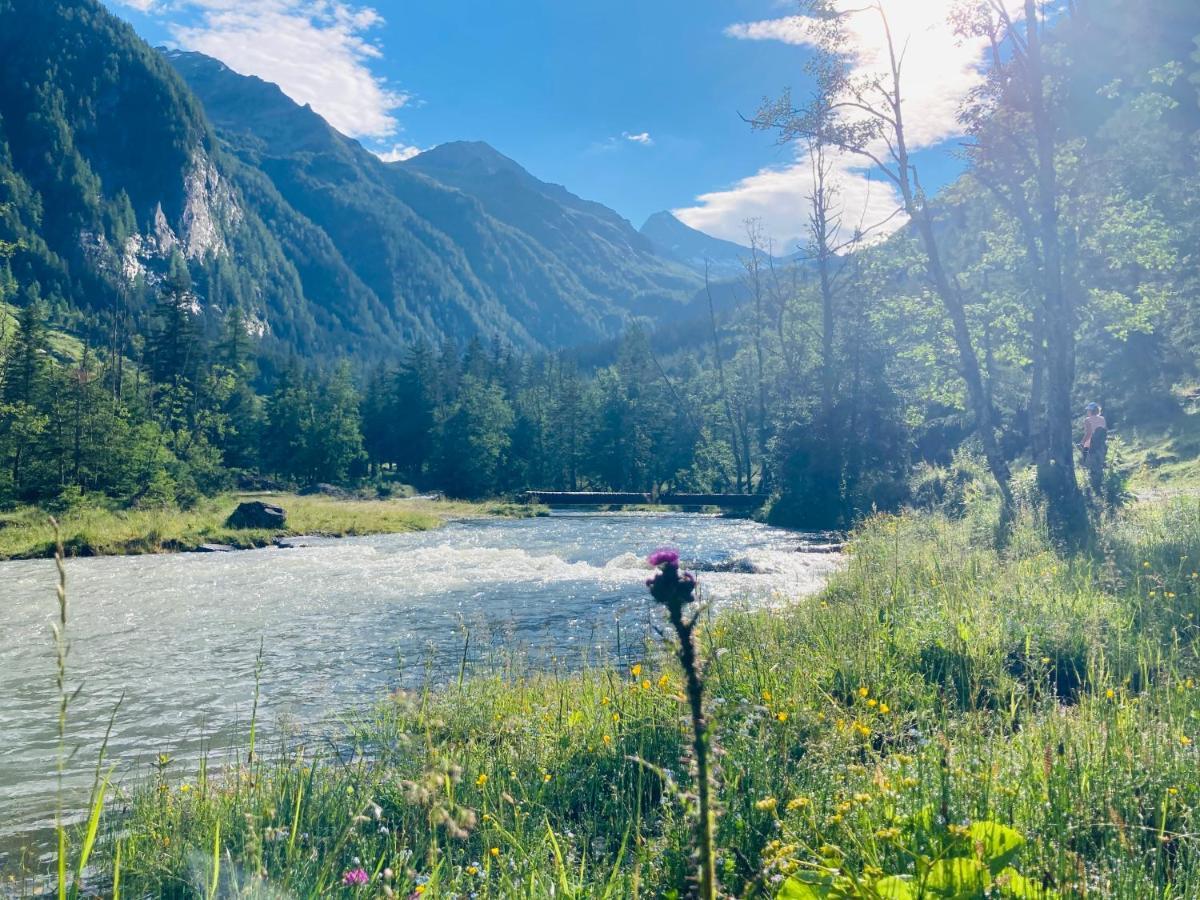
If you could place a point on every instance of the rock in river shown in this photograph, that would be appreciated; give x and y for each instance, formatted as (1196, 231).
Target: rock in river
(256, 514)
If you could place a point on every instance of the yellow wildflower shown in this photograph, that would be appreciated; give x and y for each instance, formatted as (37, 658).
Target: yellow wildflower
(616, 717)
(872, 702)
(766, 804)
(1184, 740)
(1110, 693)
(636, 671)
(781, 716)
(495, 851)
(884, 708)
(766, 695)
(863, 691)
(664, 682)
(604, 701)
(645, 684)
(607, 740)
(472, 870)
(797, 803)
(481, 780)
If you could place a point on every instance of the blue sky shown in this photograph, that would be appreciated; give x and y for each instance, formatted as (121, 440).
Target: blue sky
(634, 103)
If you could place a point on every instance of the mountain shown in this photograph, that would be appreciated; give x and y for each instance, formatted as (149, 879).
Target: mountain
(673, 239)
(115, 159)
(605, 252)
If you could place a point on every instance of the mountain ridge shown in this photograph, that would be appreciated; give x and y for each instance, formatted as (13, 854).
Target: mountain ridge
(324, 249)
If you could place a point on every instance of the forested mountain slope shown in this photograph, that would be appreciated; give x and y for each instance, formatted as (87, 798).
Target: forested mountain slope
(109, 167)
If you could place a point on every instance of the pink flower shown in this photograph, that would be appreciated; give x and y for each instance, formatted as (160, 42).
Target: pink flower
(663, 556)
(355, 877)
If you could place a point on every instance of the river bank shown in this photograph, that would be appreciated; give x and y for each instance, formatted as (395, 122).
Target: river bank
(937, 690)
(26, 533)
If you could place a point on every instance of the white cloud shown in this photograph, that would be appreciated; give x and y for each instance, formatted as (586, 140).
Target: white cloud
(144, 6)
(398, 153)
(938, 71)
(317, 51)
(642, 138)
(778, 197)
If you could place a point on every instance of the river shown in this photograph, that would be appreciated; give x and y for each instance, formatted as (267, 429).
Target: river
(339, 622)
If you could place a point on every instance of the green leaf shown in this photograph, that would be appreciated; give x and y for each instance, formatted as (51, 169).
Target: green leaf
(998, 843)
(806, 886)
(895, 887)
(958, 877)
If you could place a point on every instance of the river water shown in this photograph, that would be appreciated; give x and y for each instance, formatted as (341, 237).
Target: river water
(339, 622)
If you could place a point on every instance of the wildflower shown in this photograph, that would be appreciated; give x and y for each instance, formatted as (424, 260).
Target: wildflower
(781, 716)
(872, 703)
(864, 691)
(862, 729)
(645, 684)
(798, 803)
(388, 874)
(604, 701)
(481, 780)
(766, 695)
(547, 777)
(862, 798)
(1172, 791)
(1146, 564)
(355, 877)
(1110, 693)
(184, 788)
(616, 717)
(607, 740)
(495, 851)
(419, 890)
(472, 870)
(636, 670)
(766, 804)
(884, 708)
(1184, 740)
(664, 682)
(663, 556)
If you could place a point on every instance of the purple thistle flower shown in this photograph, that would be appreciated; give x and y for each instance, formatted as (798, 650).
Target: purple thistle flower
(355, 877)
(664, 556)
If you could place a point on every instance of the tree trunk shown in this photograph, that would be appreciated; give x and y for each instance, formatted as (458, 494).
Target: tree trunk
(1066, 510)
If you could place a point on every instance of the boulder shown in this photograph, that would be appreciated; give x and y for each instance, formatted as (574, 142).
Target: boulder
(215, 548)
(256, 514)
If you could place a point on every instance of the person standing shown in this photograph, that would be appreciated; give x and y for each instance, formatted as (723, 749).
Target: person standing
(1094, 445)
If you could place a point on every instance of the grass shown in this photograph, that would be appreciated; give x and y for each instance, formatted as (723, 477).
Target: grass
(96, 531)
(1167, 459)
(943, 720)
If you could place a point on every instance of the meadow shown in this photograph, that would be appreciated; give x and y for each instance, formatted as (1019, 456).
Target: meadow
(944, 720)
(89, 529)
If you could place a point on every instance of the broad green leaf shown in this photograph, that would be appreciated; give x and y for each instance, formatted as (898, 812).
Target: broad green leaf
(999, 843)
(896, 887)
(806, 886)
(958, 877)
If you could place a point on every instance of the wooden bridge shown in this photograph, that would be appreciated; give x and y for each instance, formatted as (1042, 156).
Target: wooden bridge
(747, 502)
